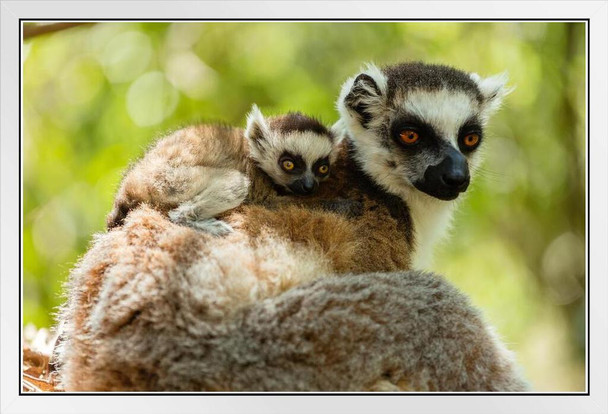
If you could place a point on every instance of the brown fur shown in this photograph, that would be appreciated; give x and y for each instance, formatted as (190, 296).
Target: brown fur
(359, 227)
(371, 233)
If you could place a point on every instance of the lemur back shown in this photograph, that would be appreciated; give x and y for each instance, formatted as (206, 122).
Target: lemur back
(201, 171)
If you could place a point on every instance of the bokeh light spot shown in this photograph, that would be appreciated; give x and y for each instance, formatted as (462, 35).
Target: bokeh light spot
(151, 98)
(54, 231)
(563, 266)
(81, 81)
(126, 56)
(190, 74)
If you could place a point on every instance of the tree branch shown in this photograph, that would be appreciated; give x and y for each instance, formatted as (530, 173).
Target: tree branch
(32, 29)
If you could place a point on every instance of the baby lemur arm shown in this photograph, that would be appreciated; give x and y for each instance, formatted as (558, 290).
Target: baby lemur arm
(222, 191)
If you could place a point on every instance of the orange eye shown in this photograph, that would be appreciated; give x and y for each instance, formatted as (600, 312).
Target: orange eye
(408, 136)
(288, 165)
(471, 140)
(324, 169)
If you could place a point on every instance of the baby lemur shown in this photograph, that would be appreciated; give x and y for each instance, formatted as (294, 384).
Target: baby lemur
(201, 171)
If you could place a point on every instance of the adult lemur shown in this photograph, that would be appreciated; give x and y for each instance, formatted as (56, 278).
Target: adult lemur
(200, 171)
(415, 130)
(155, 305)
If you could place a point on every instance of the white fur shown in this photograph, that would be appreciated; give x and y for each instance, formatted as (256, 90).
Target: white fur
(225, 189)
(432, 219)
(212, 226)
(255, 117)
(445, 110)
(377, 75)
(309, 145)
(493, 89)
(371, 155)
(339, 129)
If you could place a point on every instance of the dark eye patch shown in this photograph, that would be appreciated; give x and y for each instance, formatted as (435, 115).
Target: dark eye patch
(471, 126)
(318, 163)
(407, 121)
(298, 161)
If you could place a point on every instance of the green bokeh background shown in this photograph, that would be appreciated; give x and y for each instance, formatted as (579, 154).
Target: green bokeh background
(95, 96)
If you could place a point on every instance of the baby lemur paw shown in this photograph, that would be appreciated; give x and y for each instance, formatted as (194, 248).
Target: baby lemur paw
(212, 226)
(182, 215)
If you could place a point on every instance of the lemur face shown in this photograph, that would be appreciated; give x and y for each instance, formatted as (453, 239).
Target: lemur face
(418, 125)
(296, 151)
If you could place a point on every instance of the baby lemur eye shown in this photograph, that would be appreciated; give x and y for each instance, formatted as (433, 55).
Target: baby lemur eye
(409, 136)
(287, 165)
(324, 169)
(292, 163)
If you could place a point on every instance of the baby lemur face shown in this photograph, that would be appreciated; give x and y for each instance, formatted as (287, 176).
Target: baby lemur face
(296, 151)
(419, 125)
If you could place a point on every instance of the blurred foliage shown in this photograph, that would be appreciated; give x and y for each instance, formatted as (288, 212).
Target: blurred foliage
(96, 96)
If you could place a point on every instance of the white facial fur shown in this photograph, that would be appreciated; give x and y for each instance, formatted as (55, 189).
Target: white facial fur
(493, 89)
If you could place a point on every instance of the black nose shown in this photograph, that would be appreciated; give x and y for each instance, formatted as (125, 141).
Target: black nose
(304, 186)
(308, 186)
(457, 178)
(447, 179)
(454, 170)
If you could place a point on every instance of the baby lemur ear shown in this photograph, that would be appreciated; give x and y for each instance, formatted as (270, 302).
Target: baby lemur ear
(257, 129)
(493, 89)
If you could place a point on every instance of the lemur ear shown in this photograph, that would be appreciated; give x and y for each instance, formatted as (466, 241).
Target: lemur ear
(257, 128)
(363, 96)
(493, 89)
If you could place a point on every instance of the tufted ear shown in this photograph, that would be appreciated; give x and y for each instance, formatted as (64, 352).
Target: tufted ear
(493, 89)
(364, 95)
(257, 129)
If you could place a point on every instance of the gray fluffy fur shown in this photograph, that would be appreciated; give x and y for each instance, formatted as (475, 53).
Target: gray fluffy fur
(145, 319)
